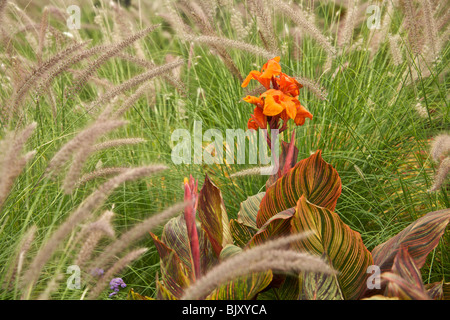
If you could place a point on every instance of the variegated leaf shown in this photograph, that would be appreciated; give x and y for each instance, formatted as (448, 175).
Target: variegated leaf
(313, 178)
(405, 280)
(244, 227)
(229, 250)
(213, 216)
(336, 243)
(420, 237)
(278, 225)
(318, 286)
(242, 288)
(175, 236)
(175, 276)
(439, 290)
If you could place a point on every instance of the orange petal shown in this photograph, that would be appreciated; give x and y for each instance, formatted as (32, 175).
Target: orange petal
(253, 100)
(250, 76)
(271, 68)
(302, 114)
(291, 108)
(271, 106)
(259, 116)
(251, 124)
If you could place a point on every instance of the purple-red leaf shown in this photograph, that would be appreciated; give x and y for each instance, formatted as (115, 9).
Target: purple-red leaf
(420, 237)
(213, 216)
(405, 280)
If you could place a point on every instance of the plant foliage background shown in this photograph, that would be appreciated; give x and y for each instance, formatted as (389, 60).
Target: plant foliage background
(78, 107)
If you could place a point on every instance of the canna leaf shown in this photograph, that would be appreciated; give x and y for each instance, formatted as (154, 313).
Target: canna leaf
(249, 210)
(229, 250)
(163, 293)
(213, 216)
(317, 286)
(420, 237)
(244, 227)
(278, 225)
(336, 243)
(401, 288)
(313, 178)
(175, 236)
(405, 280)
(208, 257)
(242, 288)
(439, 290)
(175, 276)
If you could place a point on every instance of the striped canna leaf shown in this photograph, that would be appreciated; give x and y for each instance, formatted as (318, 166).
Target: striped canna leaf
(242, 288)
(339, 245)
(244, 227)
(213, 216)
(175, 236)
(405, 280)
(312, 177)
(317, 286)
(176, 258)
(175, 276)
(439, 290)
(420, 237)
(278, 225)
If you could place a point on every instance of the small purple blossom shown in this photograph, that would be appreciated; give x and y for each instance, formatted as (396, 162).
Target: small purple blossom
(115, 285)
(97, 272)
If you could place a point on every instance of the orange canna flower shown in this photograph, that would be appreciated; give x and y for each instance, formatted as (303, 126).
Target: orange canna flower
(301, 115)
(253, 100)
(257, 120)
(289, 85)
(270, 68)
(275, 102)
(279, 102)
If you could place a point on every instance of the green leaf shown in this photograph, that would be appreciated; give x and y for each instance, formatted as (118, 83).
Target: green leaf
(229, 250)
(213, 216)
(336, 243)
(420, 237)
(249, 210)
(244, 227)
(313, 178)
(405, 280)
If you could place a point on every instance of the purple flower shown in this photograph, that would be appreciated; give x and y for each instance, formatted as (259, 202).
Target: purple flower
(115, 284)
(97, 272)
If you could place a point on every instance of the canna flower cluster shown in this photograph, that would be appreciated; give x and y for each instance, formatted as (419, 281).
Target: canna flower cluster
(278, 102)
